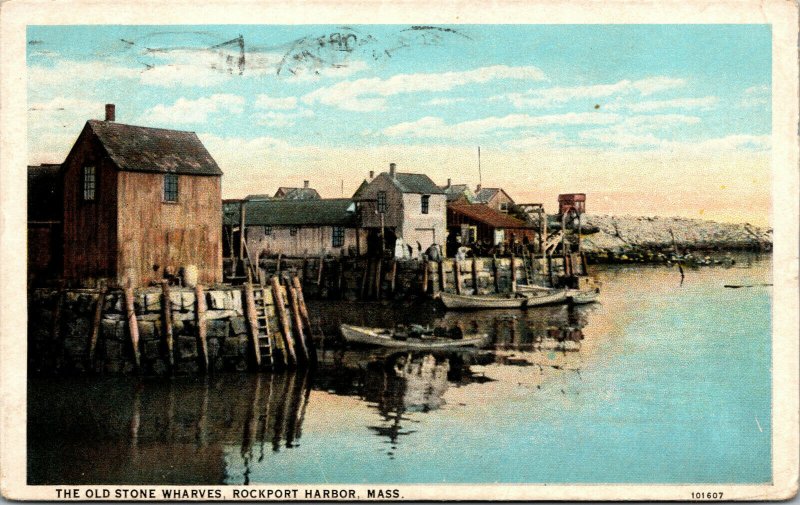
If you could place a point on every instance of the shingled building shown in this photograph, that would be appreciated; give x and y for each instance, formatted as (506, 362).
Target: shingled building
(139, 204)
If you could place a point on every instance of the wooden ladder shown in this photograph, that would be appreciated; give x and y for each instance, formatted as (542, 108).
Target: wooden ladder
(527, 265)
(263, 336)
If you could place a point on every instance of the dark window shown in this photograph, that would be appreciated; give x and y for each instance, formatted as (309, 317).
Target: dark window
(293, 231)
(89, 183)
(338, 236)
(170, 187)
(426, 200)
(504, 207)
(382, 202)
(268, 230)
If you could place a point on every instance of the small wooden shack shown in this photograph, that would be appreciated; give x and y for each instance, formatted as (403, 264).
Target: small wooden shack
(572, 201)
(140, 204)
(495, 198)
(481, 224)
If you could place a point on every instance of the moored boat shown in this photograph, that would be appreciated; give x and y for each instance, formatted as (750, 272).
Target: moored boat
(580, 297)
(475, 302)
(544, 297)
(386, 338)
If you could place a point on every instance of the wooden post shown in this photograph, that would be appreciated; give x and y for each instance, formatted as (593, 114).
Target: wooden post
(299, 334)
(98, 315)
(457, 275)
(496, 272)
(442, 279)
(513, 274)
(364, 278)
(133, 325)
(378, 279)
(426, 265)
(340, 270)
(278, 265)
(56, 330)
(280, 308)
(302, 303)
(321, 267)
(475, 275)
(303, 273)
(166, 321)
(200, 321)
(394, 274)
(252, 321)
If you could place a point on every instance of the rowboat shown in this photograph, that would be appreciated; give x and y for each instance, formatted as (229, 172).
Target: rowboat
(547, 297)
(386, 338)
(580, 297)
(472, 302)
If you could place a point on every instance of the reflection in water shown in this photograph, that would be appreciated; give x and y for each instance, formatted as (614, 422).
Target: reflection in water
(177, 431)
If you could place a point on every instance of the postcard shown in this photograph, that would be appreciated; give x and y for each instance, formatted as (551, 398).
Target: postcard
(387, 251)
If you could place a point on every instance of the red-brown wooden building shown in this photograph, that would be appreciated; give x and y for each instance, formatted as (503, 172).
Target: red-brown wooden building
(572, 201)
(140, 203)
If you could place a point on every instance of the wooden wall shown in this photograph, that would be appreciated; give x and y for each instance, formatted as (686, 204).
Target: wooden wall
(393, 218)
(90, 238)
(153, 234)
(309, 241)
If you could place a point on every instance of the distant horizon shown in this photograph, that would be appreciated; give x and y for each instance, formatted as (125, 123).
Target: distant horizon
(667, 120)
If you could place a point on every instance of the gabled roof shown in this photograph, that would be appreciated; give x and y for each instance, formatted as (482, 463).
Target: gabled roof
(322, 212)
(297, 193)
(456, 191)
(415, 183)
(486, 194)
(361, 188)
(157, 150)
(485, 214)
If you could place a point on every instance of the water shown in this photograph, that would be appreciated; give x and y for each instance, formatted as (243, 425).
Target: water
(660, 382)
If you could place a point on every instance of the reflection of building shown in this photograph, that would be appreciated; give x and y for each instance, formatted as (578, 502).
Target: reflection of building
(402, 205)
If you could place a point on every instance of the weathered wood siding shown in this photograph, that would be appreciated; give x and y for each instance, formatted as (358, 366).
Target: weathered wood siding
(393, 218)
(498, 200)
(154, 234)
(309, 241)
(90, 238)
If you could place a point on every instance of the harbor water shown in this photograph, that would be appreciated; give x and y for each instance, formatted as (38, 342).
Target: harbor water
(662, 381)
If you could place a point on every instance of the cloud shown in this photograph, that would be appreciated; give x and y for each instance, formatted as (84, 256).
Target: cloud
(445, 101)
(703, 103)
(275, 103)
(369, 94)
(435, 127)
(283, 119)
(174, 75)
(756, 96)
(185, 111)
(559, 95)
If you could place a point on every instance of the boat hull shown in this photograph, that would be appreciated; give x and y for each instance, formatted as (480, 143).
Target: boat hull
(583, 297)
(537, 300)
(472, 302)
(372, 336)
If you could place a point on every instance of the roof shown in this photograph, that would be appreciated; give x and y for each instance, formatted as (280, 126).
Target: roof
(322, 212)
(143, 149)
(485, 214)
(361, 187)
(297, 193)
(258, 197)
(456, 191)
(415, 183)
(486, 194)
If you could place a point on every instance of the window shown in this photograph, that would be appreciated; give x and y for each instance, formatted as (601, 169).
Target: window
(504, 207)
(267, 230)
(382, 202)
(170, 187)
(293, 231)
(426, 200)
(338, 236)
(89, 181)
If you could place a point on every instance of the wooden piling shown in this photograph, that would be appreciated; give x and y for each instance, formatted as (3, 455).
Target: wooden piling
(496, 274)
(200, 321)
(98, 315)
(442, 279)
(378, 279)
(474, 275)
(394, 274)
(133, 325)
(321, 267)
(340, 272)
(166, 321)
(280, 308)
(252, 321)
(426, 266)
(513, 274)
(299, 334)
(302, 304)
(278, 265)
(56, 329)
(364, 278)
(457, 275)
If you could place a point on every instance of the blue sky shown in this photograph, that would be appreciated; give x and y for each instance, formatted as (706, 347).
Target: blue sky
(546, 103)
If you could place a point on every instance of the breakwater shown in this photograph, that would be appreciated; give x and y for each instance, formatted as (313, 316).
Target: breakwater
(157, 331)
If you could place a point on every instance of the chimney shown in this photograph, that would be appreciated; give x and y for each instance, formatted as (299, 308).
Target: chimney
(392, 169)
(449, 182)
(478, 189)
(371, 174)
(110, 113)
(305, 184)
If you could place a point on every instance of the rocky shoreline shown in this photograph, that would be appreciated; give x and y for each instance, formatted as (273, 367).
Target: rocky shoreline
(635, 238)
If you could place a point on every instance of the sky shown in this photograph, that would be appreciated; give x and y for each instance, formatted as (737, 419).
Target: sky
(644, 119)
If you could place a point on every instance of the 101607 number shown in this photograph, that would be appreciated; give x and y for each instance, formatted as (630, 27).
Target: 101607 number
(707, 496)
